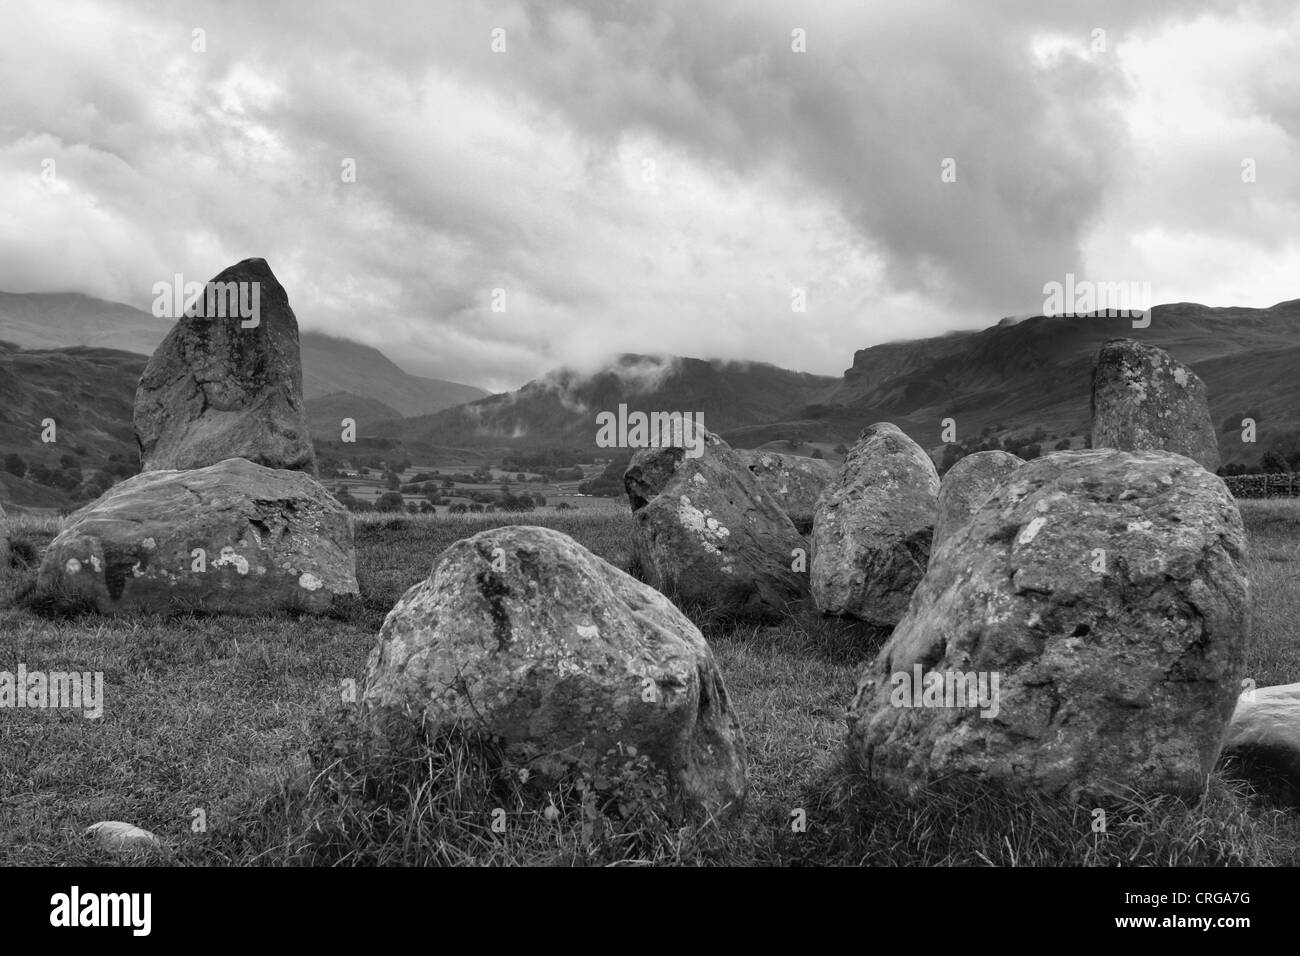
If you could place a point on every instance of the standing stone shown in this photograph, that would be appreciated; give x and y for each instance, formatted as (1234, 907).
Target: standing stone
(1263, 741)
(707, 532)
(1101, 598)
(966, 486)
(522, 634)
(1144, 399)
(220, 386)
(793, 481)
(872, 530)
(234, 537)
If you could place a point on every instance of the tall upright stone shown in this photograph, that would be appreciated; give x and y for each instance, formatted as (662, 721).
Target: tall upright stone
(1143, 399)
(227, 385)
(872, 528)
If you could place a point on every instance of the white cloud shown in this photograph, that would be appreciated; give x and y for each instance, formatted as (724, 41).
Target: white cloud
(771, 170)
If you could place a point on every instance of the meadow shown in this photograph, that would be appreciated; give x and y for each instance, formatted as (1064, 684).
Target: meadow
(229, 738)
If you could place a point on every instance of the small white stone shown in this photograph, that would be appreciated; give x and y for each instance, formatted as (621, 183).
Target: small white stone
(118, 837)
(73, 566)
(309, 581)
(1031, 530)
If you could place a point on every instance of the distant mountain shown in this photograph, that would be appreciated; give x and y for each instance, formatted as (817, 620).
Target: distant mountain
(329, 365)
(1036, 372)
(559, 409)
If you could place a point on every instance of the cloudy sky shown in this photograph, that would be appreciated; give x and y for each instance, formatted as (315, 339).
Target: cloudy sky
(651, 176)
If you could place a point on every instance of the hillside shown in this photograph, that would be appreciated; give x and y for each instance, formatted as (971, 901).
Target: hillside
(326, 414)
(89, 393)
(1015, 376)
(329, 364)
(560, 408)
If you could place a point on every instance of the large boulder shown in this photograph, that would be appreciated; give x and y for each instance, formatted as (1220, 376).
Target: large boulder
(1099, 600)
(793, 481)
(1263, 741)
(966, 486)
(872, 529)
(234, 537)
(522, 634)
(1144, 399)
(227, 387)
(707, 532)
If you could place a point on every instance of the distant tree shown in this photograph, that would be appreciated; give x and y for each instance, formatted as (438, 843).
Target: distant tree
(389, 501)
(841, 449)
(427, 508)
(1029, 452)
(1272, 462)
(392, 482)
(67, 462)
(817, 453)
(38, 473)
(564, 506)
(1062, 445)
(458, 509)
(15, 465)
(413, 508)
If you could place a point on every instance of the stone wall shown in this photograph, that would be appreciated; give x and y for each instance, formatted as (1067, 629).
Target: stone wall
(1263, 486)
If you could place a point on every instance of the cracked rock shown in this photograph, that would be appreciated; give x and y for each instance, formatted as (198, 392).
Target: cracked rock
(708, 532)
(1117, 632)
(523, 634)
(966, 486)
(872, 528)
(1144, 399)
(235, 537)
(793, 481)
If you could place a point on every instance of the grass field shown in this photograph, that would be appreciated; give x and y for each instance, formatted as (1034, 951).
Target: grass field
(220, 715)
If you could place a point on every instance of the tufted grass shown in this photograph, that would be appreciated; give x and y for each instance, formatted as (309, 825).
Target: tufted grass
(241, 719)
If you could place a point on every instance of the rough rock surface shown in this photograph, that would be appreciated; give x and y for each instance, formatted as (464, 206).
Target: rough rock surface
(523, 634)
(215, 389)
(966, 486)
(872, 529)
(267, 540)
(794, 482)
(707, 531)
(1107, 592)
(1143, 399)
(4, 544)
(1263, 741)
